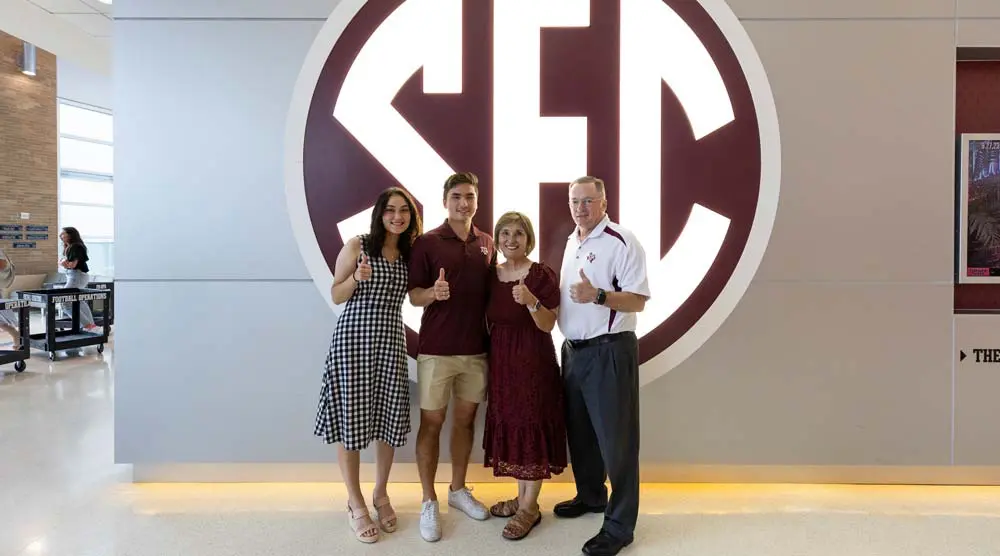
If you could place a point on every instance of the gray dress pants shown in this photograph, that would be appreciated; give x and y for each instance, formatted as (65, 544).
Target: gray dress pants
(601, 378)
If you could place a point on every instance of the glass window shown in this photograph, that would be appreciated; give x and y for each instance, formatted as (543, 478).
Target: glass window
(86, 183)
(102, 257)
(92, 222)
(85, 123)
(84, 156)
(89, 192)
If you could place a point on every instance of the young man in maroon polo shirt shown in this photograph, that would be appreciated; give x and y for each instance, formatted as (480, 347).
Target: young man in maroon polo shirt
(449, 278)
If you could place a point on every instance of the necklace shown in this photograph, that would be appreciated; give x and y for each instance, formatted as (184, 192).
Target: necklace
(390, 255)
(515, 272)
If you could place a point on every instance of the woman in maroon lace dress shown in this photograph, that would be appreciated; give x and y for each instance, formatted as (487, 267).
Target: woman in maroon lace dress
(525, 436)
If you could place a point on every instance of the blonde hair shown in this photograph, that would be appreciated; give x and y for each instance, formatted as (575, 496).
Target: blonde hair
(514, 217)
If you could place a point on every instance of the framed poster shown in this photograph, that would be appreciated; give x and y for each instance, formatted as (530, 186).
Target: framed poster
(978, 242)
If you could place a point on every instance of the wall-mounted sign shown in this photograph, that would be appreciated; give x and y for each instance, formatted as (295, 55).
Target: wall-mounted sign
(25, 245)
(981, 355)
(39, 237)
(978, 209)
(36, 228)
(10, 228)
(694, 172)
(977, 339)
(8, 236)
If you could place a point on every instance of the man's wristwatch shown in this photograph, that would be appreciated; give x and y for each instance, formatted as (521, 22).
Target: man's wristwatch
(602, 297)
(534, 308)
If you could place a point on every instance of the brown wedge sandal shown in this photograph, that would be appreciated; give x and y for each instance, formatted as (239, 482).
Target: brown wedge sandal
(504, 508)
(386, 515)
(521, 524)
(364, 533)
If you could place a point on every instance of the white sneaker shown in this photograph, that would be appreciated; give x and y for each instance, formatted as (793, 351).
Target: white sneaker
(463, 500)
(430, 521)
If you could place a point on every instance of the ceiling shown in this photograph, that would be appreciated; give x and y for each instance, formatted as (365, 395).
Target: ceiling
(92, 16)
(77, 30)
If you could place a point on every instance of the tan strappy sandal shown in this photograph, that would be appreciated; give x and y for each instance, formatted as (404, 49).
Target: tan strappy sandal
(521, 524)
(504, 508)
(364, 533)
(386, 515)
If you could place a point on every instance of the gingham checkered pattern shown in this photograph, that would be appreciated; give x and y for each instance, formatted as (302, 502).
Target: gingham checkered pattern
(366, 391)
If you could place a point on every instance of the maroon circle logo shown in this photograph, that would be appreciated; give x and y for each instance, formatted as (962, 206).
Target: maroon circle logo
(653, 96)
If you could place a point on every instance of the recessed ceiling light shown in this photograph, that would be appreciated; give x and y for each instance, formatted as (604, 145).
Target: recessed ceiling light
(108, 2)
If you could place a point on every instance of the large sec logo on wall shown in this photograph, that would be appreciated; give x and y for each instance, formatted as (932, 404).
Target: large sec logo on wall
(666, 100)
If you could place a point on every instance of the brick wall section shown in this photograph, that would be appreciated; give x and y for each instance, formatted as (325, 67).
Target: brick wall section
(29, 167)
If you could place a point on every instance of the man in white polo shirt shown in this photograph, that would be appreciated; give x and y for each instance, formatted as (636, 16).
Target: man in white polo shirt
(603, 286)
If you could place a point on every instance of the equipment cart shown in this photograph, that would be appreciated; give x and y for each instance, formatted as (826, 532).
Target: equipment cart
(19, 354)
(53, 339)
(104, 317)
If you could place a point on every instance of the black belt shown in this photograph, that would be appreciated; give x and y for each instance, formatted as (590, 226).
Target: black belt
(602, 339)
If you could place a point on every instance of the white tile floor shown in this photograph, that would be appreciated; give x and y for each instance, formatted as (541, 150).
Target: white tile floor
(60, 494)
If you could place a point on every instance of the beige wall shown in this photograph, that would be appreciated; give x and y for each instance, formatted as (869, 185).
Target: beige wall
(840, 356)
(978, 23)
(29, 166)
(840, 353)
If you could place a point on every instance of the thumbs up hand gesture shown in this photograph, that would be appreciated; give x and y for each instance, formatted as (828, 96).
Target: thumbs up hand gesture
(522, 295)
(441, 289)
(364, 270)
(583, 291)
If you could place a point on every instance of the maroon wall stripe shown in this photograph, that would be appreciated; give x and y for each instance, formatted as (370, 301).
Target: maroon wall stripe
(977, 111)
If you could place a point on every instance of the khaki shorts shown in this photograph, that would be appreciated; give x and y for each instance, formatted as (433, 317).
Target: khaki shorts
(438, 375)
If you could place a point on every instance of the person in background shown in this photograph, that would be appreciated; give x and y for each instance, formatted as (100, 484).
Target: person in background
(9, 321)
(525, 435)
(365, 396)
(74, 260)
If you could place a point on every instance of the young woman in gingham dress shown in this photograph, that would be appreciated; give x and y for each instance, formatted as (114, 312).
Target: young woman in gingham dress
(366, 392)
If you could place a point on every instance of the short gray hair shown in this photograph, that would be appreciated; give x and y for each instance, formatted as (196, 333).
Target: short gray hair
(598, 183)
